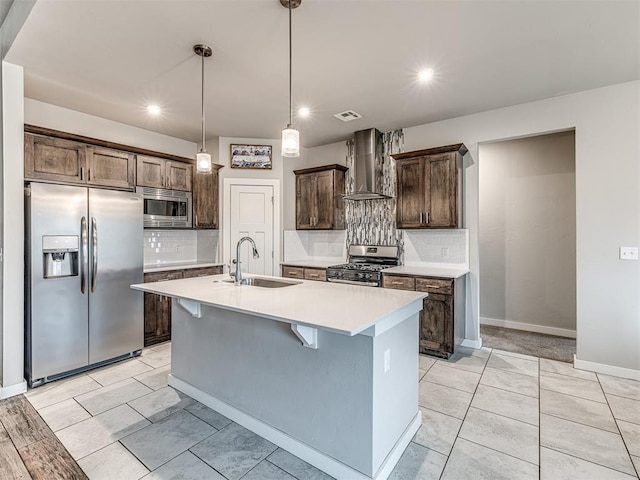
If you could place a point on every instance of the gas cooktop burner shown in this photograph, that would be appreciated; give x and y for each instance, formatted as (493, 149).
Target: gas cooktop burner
(363, 267)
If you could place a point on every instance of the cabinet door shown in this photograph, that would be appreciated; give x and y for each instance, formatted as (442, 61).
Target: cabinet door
(305, 194)
(178, 176)
(205, 200)
(411, 182)
(157, 310)
(324, 200)
(54, 159)
(442, 191)
(110, 168)
(150, 172)
(436, 325)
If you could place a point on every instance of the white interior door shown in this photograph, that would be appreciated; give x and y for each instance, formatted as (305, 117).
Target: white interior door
(251, 214)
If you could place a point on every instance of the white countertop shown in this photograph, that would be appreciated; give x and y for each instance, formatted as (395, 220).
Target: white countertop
(165, 267)
(314, 263)
(345, 309)
(428, 271)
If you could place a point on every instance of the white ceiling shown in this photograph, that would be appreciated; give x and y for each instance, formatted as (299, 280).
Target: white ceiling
(110, 57)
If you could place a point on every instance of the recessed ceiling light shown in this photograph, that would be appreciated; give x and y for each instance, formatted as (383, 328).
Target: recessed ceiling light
(425, 75)
(304, 111)
(154, 110)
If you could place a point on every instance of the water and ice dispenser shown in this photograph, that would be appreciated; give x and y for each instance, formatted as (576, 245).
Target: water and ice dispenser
(60, 255)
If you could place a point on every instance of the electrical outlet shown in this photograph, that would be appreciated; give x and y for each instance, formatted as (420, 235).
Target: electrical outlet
(387, 360)
(628, 253)
(445, 252)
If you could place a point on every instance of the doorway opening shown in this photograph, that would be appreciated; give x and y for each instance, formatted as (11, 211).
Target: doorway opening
(527, 251)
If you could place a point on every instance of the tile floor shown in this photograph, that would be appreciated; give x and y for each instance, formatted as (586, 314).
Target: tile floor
(486, 414)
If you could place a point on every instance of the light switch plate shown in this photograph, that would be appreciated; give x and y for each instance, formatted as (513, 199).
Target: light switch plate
(628, 253)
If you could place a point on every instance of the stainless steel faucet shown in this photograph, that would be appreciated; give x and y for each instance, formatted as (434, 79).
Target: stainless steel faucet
(237, 276)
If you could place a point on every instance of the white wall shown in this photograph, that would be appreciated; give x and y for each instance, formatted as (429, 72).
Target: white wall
(528, 232)
(13, 231)
(71, 121)
(606, 122)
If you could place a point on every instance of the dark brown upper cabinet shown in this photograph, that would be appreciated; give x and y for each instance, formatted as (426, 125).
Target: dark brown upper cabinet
(54, 159)
(319, 202)
(110, 168)
(67, 161)
(205, 199)
(429, 187)
(160, 173)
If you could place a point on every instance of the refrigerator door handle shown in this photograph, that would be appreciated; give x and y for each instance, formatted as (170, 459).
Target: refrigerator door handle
(94, 253)
(83, 254)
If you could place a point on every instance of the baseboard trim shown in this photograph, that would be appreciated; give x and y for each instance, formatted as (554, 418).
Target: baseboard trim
(606, 369)
(310, 455)
(477, 344)
(529, 327)
(13, 390)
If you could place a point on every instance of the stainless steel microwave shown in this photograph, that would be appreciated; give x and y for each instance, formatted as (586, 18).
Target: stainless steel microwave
(166, 208)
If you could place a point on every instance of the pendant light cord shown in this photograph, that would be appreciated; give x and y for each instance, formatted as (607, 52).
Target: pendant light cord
(290, 62)
(203, 149)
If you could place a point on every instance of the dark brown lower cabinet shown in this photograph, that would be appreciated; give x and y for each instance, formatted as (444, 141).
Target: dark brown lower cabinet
(442, 311)
(436, 325)
(307, 273)
(157, 308)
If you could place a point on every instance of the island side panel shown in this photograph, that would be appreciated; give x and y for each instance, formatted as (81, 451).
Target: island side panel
(323, 397)
(395, 392)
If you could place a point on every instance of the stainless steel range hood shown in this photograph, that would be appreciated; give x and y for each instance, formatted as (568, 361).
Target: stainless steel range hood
(367, 168)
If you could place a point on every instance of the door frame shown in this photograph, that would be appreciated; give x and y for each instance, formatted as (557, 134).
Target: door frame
(226, 216)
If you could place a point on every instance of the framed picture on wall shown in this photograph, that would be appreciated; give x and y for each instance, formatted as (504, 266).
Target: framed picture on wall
(251, 156)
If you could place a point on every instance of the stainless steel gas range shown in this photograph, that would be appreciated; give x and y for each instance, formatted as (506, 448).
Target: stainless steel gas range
(365, 266)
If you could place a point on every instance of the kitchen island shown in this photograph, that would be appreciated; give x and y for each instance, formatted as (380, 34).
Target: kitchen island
(327, 372)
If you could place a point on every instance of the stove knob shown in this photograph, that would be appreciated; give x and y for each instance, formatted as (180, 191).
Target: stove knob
(360, 275)
(368, 276)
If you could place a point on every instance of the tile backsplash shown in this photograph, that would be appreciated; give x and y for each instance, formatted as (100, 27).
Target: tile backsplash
(320, 245)
(436, 246)
(176, 246)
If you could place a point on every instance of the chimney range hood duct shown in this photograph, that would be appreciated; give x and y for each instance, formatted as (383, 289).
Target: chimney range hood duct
(367, 168)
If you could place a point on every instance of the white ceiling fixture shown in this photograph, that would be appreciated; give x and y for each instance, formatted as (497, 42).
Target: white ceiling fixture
(348, 115)
(154, 110)
(425, 75)
(304, 112)
(203, 159)
(290, 136)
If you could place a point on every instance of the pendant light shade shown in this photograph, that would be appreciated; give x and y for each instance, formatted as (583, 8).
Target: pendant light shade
(290, 142)
(203, 159)
(290, 136)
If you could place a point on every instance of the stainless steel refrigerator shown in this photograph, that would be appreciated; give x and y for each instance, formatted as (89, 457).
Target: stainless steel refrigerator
(84, 249)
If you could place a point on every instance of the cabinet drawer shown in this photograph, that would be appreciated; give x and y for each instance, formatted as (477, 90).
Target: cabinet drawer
(201, 272)
(399, 282)
(293, 272)
(434, 285)
(162, 276)
(319, 274)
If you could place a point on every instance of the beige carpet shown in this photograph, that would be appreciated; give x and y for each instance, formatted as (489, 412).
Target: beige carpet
(529, 343)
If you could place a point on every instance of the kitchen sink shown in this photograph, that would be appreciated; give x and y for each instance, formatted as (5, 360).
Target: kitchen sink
(264, 282)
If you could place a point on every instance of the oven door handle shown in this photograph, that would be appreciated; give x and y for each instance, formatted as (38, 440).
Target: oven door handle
(353, 282)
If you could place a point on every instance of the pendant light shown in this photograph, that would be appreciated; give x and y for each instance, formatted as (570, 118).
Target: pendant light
(290, 136)
(203, 159)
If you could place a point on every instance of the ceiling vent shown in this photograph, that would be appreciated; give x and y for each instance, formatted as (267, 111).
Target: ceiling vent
(348, 116)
